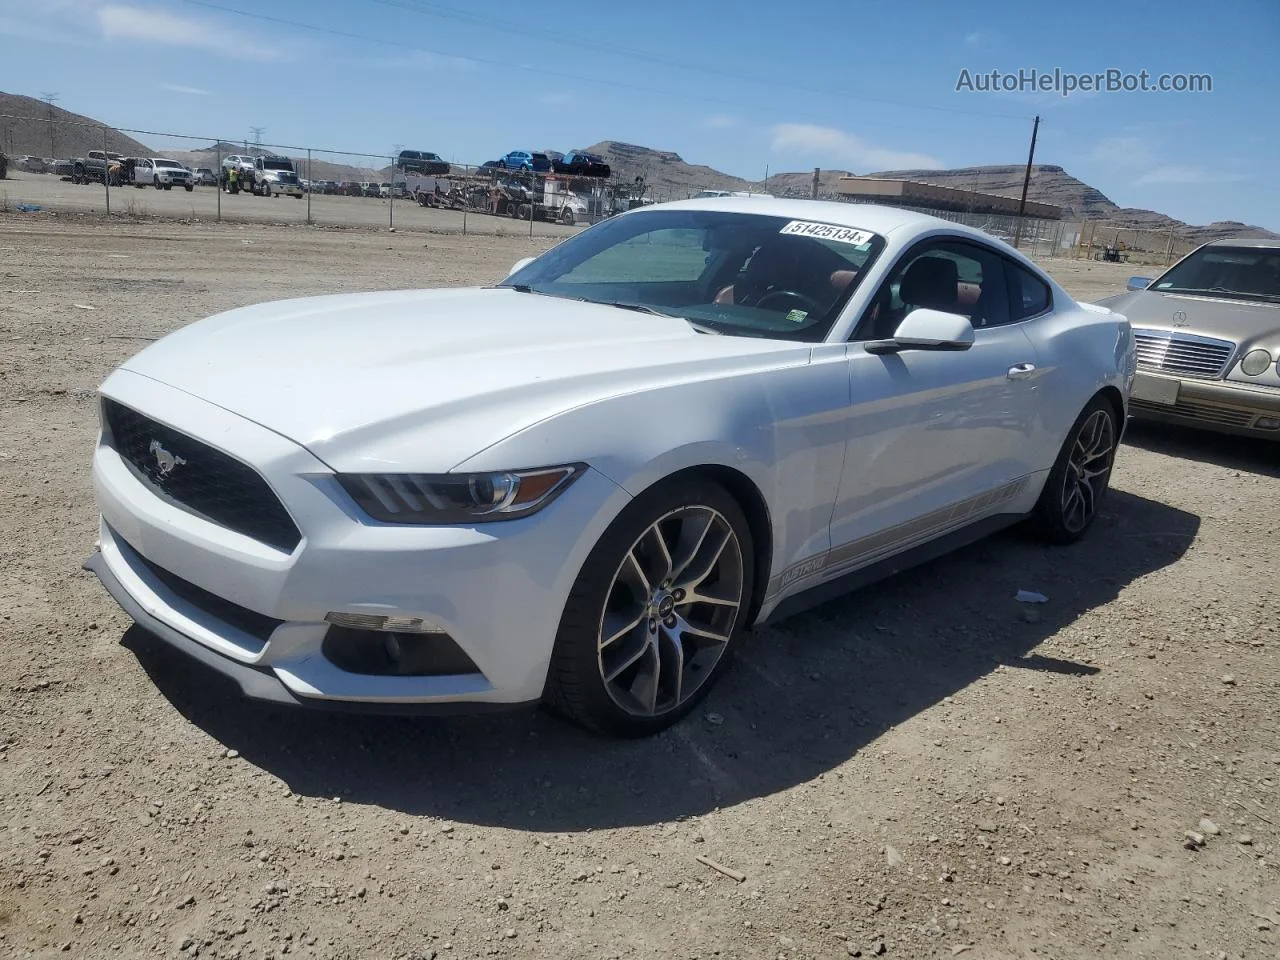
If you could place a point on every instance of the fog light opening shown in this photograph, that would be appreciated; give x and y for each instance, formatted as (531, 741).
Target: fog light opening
(398, 654)
(1267, 423)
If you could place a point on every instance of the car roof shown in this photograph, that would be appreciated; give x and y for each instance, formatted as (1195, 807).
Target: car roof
(861, 216)
(1263, 243)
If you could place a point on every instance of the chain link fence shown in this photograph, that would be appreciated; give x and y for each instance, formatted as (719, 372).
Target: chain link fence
(281, 183)
(211, 178)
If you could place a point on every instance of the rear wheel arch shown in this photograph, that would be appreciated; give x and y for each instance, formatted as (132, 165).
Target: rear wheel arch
(1114, 397)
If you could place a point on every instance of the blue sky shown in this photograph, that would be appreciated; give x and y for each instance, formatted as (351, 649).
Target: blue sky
(736, 85)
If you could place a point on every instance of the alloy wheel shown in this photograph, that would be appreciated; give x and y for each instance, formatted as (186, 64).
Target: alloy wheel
(1088, 470)
(670, 611)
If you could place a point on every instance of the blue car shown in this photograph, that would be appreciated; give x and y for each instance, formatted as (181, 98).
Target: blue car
(525, 160)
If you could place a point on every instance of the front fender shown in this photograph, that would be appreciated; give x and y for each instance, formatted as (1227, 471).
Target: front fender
(783, 429)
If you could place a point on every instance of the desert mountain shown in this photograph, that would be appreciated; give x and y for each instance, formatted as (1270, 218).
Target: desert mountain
(72, 134)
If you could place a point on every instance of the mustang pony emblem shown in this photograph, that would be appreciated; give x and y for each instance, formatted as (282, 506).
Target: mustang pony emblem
(165, 460)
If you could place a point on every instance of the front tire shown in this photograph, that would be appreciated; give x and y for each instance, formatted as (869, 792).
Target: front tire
(655, 613)
(155, 182)
(1076, 485)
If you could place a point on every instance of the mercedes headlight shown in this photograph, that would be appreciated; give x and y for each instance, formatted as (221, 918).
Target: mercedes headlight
(449, 498)
(1255, 363)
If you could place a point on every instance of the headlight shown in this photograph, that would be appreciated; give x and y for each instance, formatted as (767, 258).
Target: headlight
(1255, 363)
(448, 498)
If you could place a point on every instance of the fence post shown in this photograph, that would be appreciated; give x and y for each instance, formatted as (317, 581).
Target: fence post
(311, 185)
(466, 197)
(391, 198)
(533, 180)
(217, 175)
(106, 171)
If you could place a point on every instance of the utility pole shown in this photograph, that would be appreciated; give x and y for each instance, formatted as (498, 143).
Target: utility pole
(50, 99)
(257, 136)
(1026, 181)
(817, 179)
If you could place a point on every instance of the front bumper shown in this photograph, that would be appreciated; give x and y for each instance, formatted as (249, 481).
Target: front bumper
(1218, 405)
(288, 189)
(497, 589)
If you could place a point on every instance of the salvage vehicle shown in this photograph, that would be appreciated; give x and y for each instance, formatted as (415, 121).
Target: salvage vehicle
(205, 177)
(245, 171)
(97, 166)
(421, 161)
(582, 485)
(1208, 339)
(582, 164)
(524, 160)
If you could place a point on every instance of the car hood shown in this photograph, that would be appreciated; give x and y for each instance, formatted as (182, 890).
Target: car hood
(1244, 323)
(423, 380)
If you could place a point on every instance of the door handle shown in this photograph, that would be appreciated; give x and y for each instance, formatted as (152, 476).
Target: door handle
(1021, 371)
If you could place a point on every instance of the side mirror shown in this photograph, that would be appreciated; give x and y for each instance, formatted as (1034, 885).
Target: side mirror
(1137, 283)
(924, 329)
(520, 265)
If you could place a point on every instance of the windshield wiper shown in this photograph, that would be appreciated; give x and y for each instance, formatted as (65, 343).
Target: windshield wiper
(637, 307)
(653, 312)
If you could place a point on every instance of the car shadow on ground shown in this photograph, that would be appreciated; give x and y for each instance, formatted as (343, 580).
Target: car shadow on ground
(1250, 454)
(802, 697)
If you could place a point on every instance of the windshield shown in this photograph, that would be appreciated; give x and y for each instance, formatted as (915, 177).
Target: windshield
(735, 273)
(277, 165)
(1244, 273)
(168, 164)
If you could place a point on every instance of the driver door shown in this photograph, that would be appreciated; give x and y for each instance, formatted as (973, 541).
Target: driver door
(935, 439)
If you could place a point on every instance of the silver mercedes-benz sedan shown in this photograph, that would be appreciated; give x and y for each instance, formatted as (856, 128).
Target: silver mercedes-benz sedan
(1207, 333)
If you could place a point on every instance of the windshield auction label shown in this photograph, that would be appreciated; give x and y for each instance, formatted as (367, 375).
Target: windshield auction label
(826, 231)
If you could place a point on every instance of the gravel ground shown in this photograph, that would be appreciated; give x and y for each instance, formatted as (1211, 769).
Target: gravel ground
(922, 769)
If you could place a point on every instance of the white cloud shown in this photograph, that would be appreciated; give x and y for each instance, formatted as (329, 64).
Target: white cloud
(1175, 174)
(1118, 153)
(973, 38)
(179, 88)
(153, 25)
(720, 121)
(829, 145)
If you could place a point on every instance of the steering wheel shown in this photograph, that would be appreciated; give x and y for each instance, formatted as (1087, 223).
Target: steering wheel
(809, 304)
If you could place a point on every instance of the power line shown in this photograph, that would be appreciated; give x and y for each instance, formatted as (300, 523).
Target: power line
(580, 78)
(439, 11)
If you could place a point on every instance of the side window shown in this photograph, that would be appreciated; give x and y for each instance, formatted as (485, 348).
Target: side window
(1028, 295)
(950, 275)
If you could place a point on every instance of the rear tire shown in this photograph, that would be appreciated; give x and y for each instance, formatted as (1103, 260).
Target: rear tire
(656, 612)
(1078, 482)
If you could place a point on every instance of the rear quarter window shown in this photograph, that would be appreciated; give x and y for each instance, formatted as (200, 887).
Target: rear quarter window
(1029, 296)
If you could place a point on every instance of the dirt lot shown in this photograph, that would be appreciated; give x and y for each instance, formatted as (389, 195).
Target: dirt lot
(922, 769)
(62, 197)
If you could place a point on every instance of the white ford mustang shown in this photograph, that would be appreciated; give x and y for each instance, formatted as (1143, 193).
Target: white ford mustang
(582, 485)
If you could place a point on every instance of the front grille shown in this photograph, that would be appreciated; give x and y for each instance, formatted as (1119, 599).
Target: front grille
(257, 625)
(1207, 412)
(199, 479)
(1182, 353)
